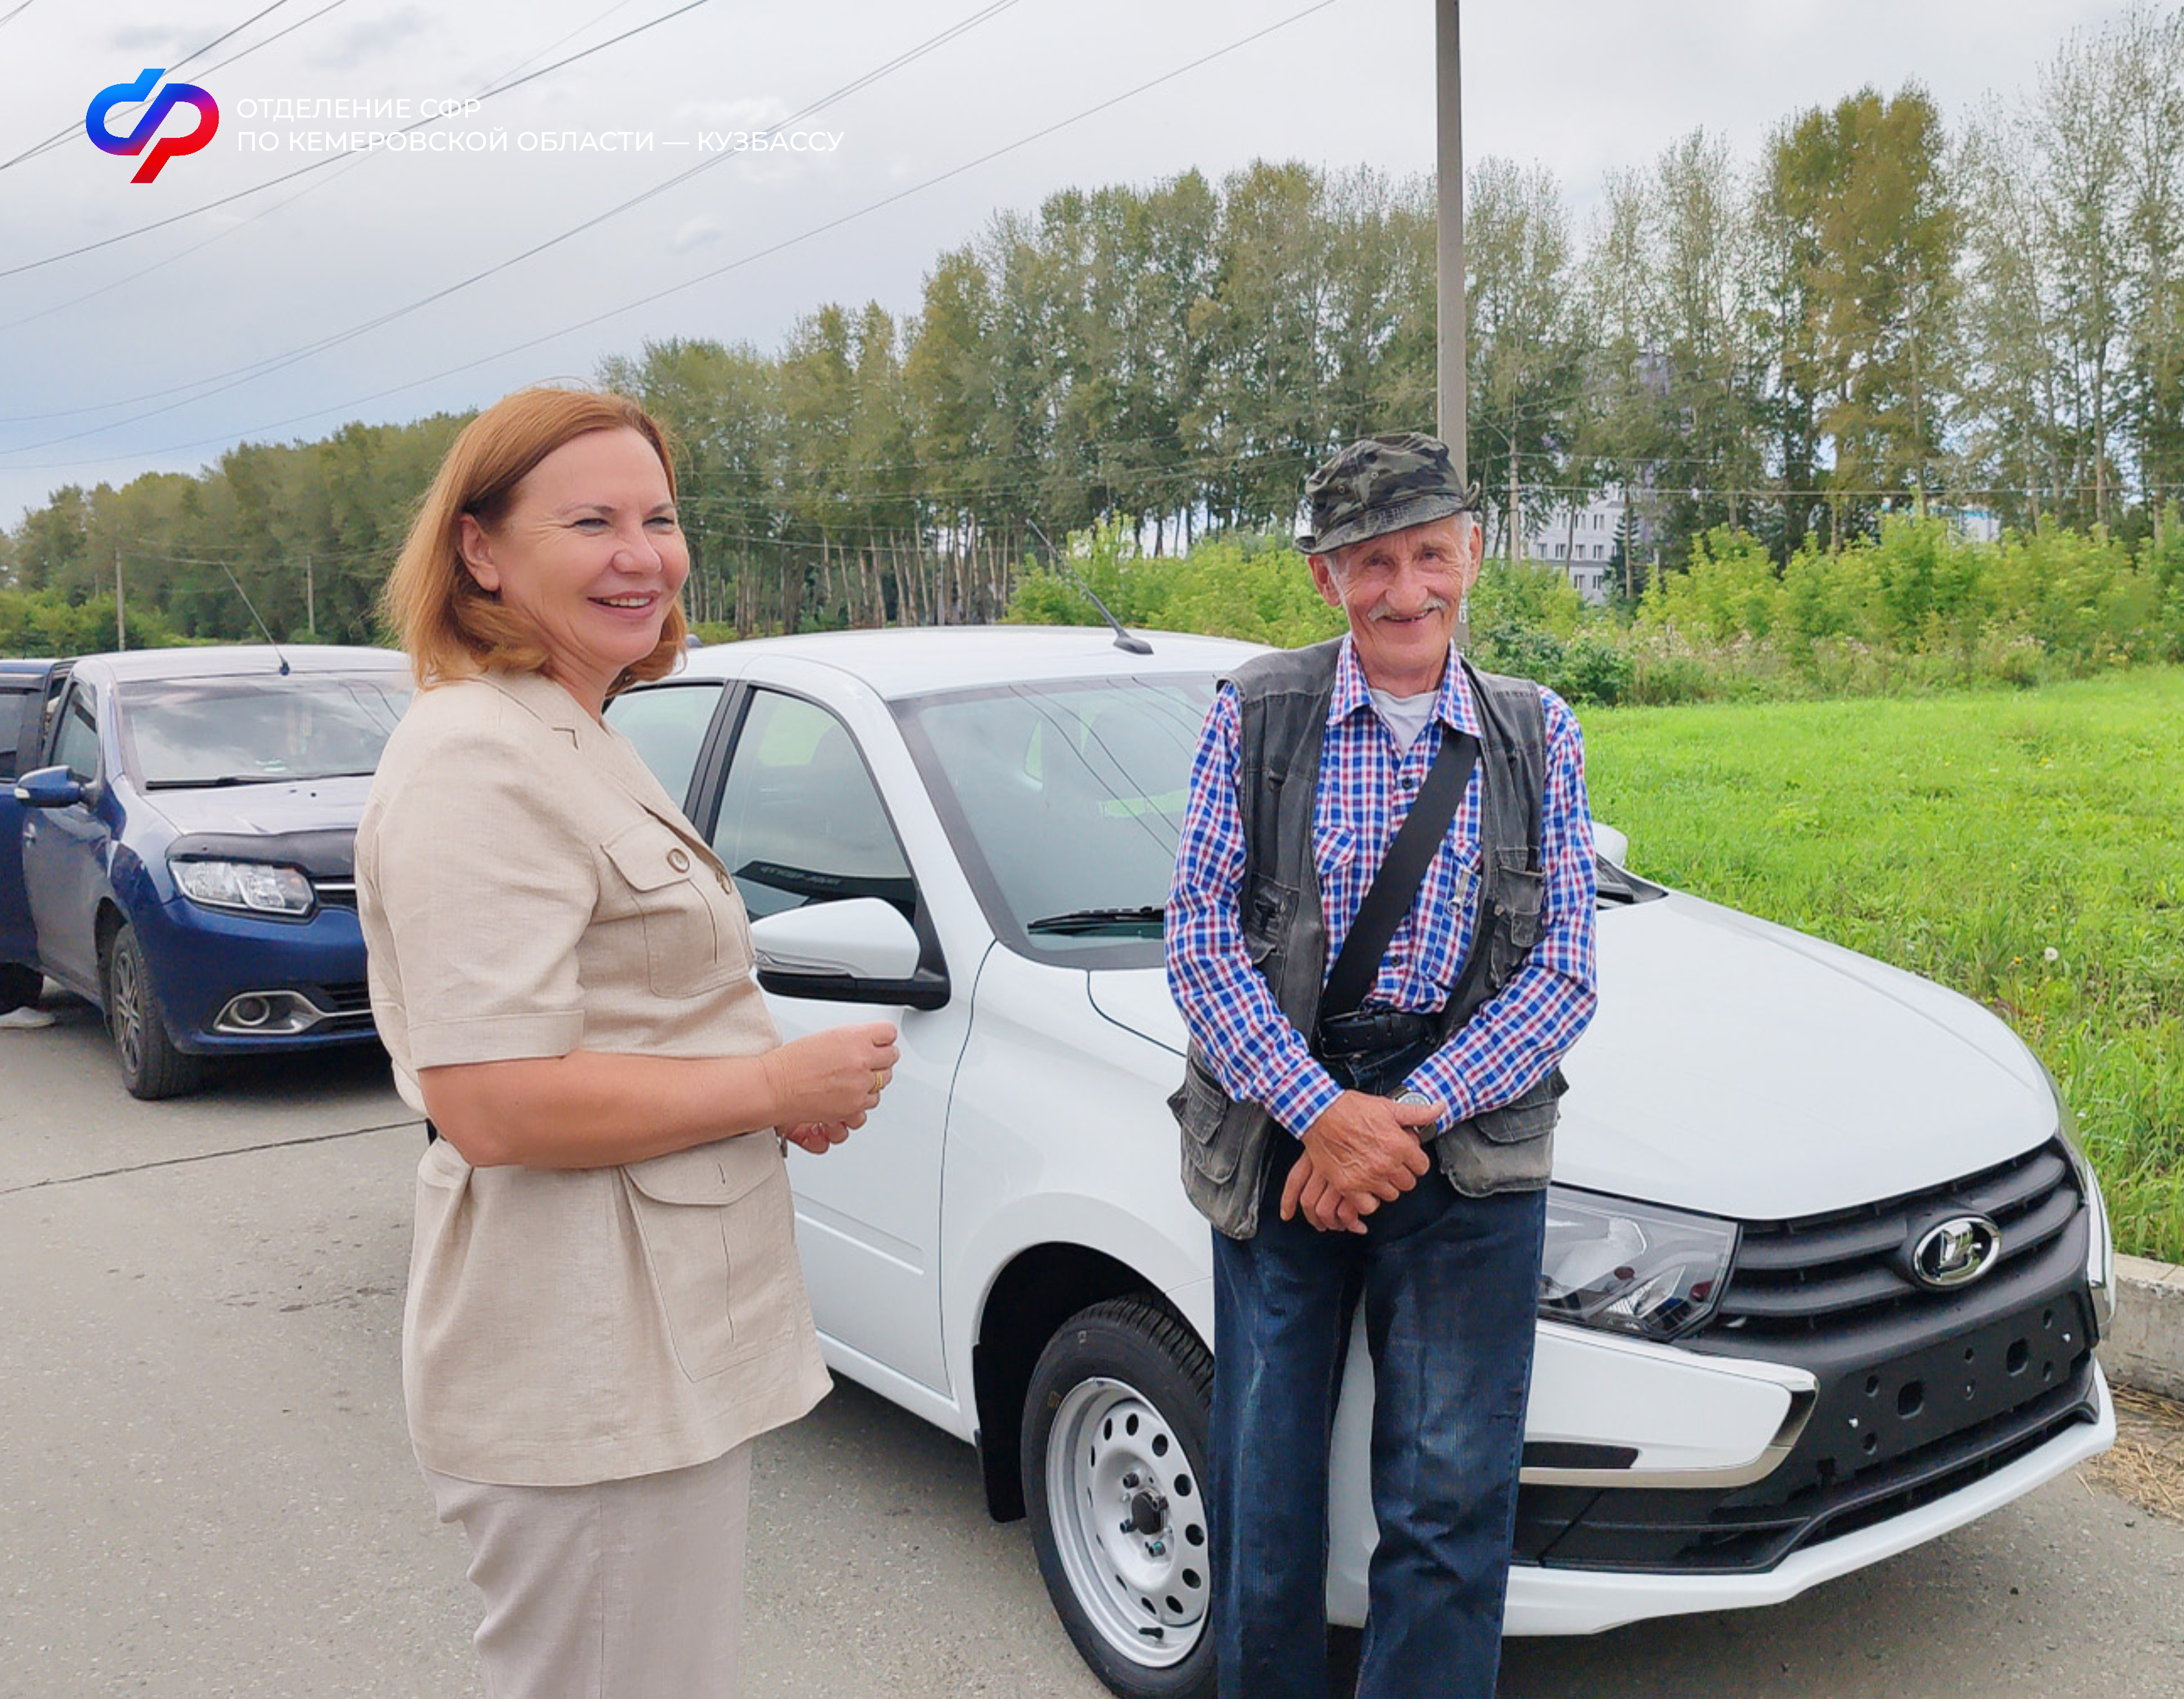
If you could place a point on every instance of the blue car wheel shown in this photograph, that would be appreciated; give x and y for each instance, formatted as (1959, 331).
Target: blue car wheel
(151, 1067)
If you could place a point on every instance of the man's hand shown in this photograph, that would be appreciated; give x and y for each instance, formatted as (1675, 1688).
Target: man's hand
(1362, 1152)
(1307, 1189)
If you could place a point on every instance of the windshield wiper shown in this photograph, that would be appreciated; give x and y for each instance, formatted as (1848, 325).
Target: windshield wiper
(1100, 920)
(228, 779)
(223, 781)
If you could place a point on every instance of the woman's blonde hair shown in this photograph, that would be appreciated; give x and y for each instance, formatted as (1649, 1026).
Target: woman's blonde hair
(453, 627)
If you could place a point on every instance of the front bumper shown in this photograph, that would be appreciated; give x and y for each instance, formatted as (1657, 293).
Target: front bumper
(202, 960)
(1824, 1421)
(1544, 1602)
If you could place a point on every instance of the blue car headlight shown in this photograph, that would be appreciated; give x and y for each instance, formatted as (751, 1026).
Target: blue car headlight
(256, 887)
(1632, 1267)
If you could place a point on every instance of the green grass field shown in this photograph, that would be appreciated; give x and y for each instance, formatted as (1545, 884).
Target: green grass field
(2026, 848)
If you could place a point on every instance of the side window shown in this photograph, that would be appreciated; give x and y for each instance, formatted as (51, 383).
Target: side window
(668, 726)
(15, 707)
(76, 738)
(801, 820)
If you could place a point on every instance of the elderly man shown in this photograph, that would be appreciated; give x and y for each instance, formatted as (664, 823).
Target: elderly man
(1368, 1103)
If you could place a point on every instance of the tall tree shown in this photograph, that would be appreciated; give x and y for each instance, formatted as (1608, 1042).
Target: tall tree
(1528, 335)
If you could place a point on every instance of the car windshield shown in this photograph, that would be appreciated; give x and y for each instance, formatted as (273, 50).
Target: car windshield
(190, 732)
(1065, 801)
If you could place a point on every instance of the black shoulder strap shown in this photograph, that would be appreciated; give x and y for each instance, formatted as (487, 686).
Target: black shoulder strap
(1396, 886)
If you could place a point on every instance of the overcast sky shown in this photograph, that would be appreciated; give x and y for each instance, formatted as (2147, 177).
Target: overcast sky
(157, 350)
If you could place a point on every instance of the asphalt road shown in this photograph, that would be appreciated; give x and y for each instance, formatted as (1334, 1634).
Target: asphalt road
(205, 1489)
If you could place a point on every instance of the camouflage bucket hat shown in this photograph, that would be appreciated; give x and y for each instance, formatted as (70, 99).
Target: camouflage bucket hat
(1379, 485)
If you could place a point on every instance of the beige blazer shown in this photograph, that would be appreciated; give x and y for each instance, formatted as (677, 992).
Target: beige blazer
(527, 888)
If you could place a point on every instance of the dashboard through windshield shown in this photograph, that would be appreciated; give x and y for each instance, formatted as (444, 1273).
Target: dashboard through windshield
(186, 733)
(1065, 799)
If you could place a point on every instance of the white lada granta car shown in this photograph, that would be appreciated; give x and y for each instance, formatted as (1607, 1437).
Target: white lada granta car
(1824, 1268)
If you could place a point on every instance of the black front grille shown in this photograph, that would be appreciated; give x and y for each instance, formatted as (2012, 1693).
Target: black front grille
(1920, 1392)
(1793, 1279)
(1667, 1530)
(334, 894)
(348, 1004)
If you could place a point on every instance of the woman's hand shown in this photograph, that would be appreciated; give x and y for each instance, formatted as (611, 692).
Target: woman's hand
(832, 1077)
(819, 1136)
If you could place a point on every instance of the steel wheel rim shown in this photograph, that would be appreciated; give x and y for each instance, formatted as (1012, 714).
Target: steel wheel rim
(128, 1010)
(1143, 1589)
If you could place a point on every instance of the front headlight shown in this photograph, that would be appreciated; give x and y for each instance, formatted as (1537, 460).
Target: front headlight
(2100, 1246)
(1632, 1267)
(252, 887)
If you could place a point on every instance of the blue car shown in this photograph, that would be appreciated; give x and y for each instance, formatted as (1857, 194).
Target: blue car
(186, 841)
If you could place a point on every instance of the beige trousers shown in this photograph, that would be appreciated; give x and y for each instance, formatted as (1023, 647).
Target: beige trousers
(621, 1589)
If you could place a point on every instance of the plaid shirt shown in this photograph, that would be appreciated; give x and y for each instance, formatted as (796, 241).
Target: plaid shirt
(1366, 788)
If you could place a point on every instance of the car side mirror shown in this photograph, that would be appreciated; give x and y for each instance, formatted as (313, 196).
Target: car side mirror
(1609, 844)
(858, 950)
(49, 788)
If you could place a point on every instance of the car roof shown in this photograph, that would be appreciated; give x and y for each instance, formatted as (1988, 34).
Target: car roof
(243, 660)
(921, 660)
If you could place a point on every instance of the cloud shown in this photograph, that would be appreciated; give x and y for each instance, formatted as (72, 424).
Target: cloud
(696, 233)
(156, 38)
(371, 39)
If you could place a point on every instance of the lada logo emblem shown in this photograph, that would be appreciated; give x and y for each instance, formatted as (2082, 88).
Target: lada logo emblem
(1957, 1252)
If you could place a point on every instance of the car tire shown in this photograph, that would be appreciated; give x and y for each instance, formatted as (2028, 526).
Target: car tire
(151, 1067)
(1115, 1446)
(19, 987)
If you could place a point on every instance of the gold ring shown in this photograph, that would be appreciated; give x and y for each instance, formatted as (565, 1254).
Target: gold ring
(879, 1082)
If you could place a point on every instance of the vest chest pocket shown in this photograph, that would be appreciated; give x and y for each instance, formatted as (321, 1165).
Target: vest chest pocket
(1267, 915)
(1511, 901)
(692, 919)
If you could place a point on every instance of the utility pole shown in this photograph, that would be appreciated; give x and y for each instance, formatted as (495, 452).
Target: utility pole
(310, 600)
(120, 615)
(1513, 544)
(1449, 342)
(1630, 546)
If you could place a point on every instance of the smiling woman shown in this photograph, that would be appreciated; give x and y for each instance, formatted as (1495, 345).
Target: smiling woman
(497, 505)
(604, 1304)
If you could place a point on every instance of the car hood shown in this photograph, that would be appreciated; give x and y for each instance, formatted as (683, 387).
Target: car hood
(1742, 1069)
(273, 810)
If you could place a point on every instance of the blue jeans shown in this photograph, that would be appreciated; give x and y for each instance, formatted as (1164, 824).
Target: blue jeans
(1449, 1285)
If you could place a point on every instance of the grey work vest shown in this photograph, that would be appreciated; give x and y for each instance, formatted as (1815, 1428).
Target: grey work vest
(1283, 700)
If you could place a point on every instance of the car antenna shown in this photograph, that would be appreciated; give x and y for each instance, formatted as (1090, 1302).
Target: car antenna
(1124, 640)
(246, 603)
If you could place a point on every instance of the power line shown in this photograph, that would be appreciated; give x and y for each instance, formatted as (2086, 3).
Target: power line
(53, 142)
(320, 164)
(10, 17)
(233, 378)
(717, 271)
(69, 130)
(221, 234)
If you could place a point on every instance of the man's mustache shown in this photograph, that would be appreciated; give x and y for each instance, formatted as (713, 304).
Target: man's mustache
(1434, 604)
